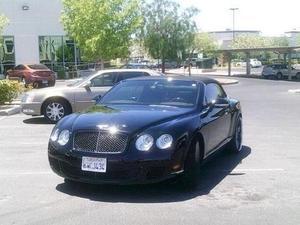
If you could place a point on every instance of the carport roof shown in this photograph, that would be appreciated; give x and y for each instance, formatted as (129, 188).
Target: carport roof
(273, 49)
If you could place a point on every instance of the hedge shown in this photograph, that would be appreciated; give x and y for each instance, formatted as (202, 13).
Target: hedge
(9, 90)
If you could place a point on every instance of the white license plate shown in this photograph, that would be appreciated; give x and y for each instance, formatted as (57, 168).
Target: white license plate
(44, 81)
(93, 164)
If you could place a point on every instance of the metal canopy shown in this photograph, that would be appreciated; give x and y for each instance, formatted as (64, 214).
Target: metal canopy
(247, 51)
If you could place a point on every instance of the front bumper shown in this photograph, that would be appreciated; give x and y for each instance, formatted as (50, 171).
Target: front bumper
(120, 170)
(33, 109)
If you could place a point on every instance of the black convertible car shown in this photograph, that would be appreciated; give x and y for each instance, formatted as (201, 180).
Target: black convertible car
(146, 130)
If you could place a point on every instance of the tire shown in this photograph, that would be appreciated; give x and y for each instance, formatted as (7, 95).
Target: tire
(192, 163)
(51, 84)
(35, 85)
(298, 76)
(54, 110)
(23, 81)
(279, 76)
(236, 143)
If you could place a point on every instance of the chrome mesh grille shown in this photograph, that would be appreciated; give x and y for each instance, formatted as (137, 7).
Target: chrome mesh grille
(100, 142)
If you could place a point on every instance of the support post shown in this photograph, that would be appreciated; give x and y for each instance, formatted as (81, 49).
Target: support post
(290, 65)
(248, 66)
(229, 64)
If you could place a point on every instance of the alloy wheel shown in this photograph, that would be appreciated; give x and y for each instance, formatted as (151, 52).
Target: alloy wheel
(55, 111)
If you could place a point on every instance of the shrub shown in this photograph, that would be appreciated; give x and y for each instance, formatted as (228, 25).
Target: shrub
(9, 90)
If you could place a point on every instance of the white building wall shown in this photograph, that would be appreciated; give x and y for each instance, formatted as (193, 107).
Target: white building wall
(41, 19)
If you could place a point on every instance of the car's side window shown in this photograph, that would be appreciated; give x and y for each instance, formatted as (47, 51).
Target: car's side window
(213, 92)
(106, 79)
(19, 67)
(128, 75)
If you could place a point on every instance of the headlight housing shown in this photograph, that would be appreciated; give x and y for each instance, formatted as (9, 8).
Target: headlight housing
(28, 98)
(54, 135)
(164, 141)
(63, 137)
(144, 142)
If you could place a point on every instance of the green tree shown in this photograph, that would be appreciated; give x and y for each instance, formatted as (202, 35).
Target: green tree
(168, 30)
(205, 43)
(3, 22)
(256, 41)
(102, 28)
(249, 41)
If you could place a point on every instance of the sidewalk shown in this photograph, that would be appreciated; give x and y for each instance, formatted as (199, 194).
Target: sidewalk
(10, 109)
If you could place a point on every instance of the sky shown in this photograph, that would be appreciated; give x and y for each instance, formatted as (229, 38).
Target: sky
(271, 17)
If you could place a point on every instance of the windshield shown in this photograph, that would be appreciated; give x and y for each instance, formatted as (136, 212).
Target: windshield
(153, 92)
(80, 81)
(38, 67)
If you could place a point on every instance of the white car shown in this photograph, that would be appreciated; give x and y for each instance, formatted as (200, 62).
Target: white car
(254, 63)
(279, 71)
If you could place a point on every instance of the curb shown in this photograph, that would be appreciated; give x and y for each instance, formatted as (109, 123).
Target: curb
(11, 110)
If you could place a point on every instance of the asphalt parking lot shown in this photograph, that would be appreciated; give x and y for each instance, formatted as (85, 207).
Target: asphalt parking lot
(258, 186)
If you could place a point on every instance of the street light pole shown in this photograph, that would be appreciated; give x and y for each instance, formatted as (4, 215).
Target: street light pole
(233, 22)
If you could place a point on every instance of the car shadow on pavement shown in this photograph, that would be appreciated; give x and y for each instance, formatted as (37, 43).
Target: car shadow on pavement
(36, 120)
(209, 176)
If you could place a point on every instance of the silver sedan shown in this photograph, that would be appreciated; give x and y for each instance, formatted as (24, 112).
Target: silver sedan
(56, 102)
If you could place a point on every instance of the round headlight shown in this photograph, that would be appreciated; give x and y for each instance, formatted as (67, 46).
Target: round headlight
(63, 137)
(144, 142)
(54, 135)
(164, 141)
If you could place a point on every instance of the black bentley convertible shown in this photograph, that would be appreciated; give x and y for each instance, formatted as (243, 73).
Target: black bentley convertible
(146, 130)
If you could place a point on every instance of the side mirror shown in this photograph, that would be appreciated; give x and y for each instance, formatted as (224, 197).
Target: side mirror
(97, 98)
(221, 103)
(87, 86)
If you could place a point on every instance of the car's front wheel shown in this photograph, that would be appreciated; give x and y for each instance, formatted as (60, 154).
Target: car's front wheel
(279, 76)
(298, 76)
(192, 163)
(55, 110)
(235, 145)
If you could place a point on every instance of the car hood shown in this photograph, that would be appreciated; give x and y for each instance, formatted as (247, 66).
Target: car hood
(50, 90)
(125, 118)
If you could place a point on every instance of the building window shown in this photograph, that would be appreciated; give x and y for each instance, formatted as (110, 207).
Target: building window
(58, 53)
(7, 53)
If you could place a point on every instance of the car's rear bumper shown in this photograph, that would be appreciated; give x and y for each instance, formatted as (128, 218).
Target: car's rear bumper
(118, 171)
(42, 81)
(33, 109)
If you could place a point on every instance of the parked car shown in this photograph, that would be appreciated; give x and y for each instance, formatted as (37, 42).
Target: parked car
(254, 63)
(279, 71)
(135, 66)
(146, 130)
(192, 61)
(36, 74)
(56, 102)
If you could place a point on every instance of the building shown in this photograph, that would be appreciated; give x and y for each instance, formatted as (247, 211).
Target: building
(224, 38)
(35, 34)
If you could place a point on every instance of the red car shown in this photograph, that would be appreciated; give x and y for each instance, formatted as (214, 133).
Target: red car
(36, 74)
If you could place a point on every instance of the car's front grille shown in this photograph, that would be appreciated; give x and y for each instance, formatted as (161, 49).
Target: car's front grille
(100, 142)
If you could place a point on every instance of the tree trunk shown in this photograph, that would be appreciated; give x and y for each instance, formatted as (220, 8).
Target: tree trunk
(102, 64)
(163, 69)
(190, 55)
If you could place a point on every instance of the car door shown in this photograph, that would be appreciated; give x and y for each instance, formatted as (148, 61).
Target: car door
(16, 71)
(217, 119)
(284, 70)
(99, 85)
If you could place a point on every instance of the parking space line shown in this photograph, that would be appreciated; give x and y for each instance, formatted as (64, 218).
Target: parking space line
(2, 118)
